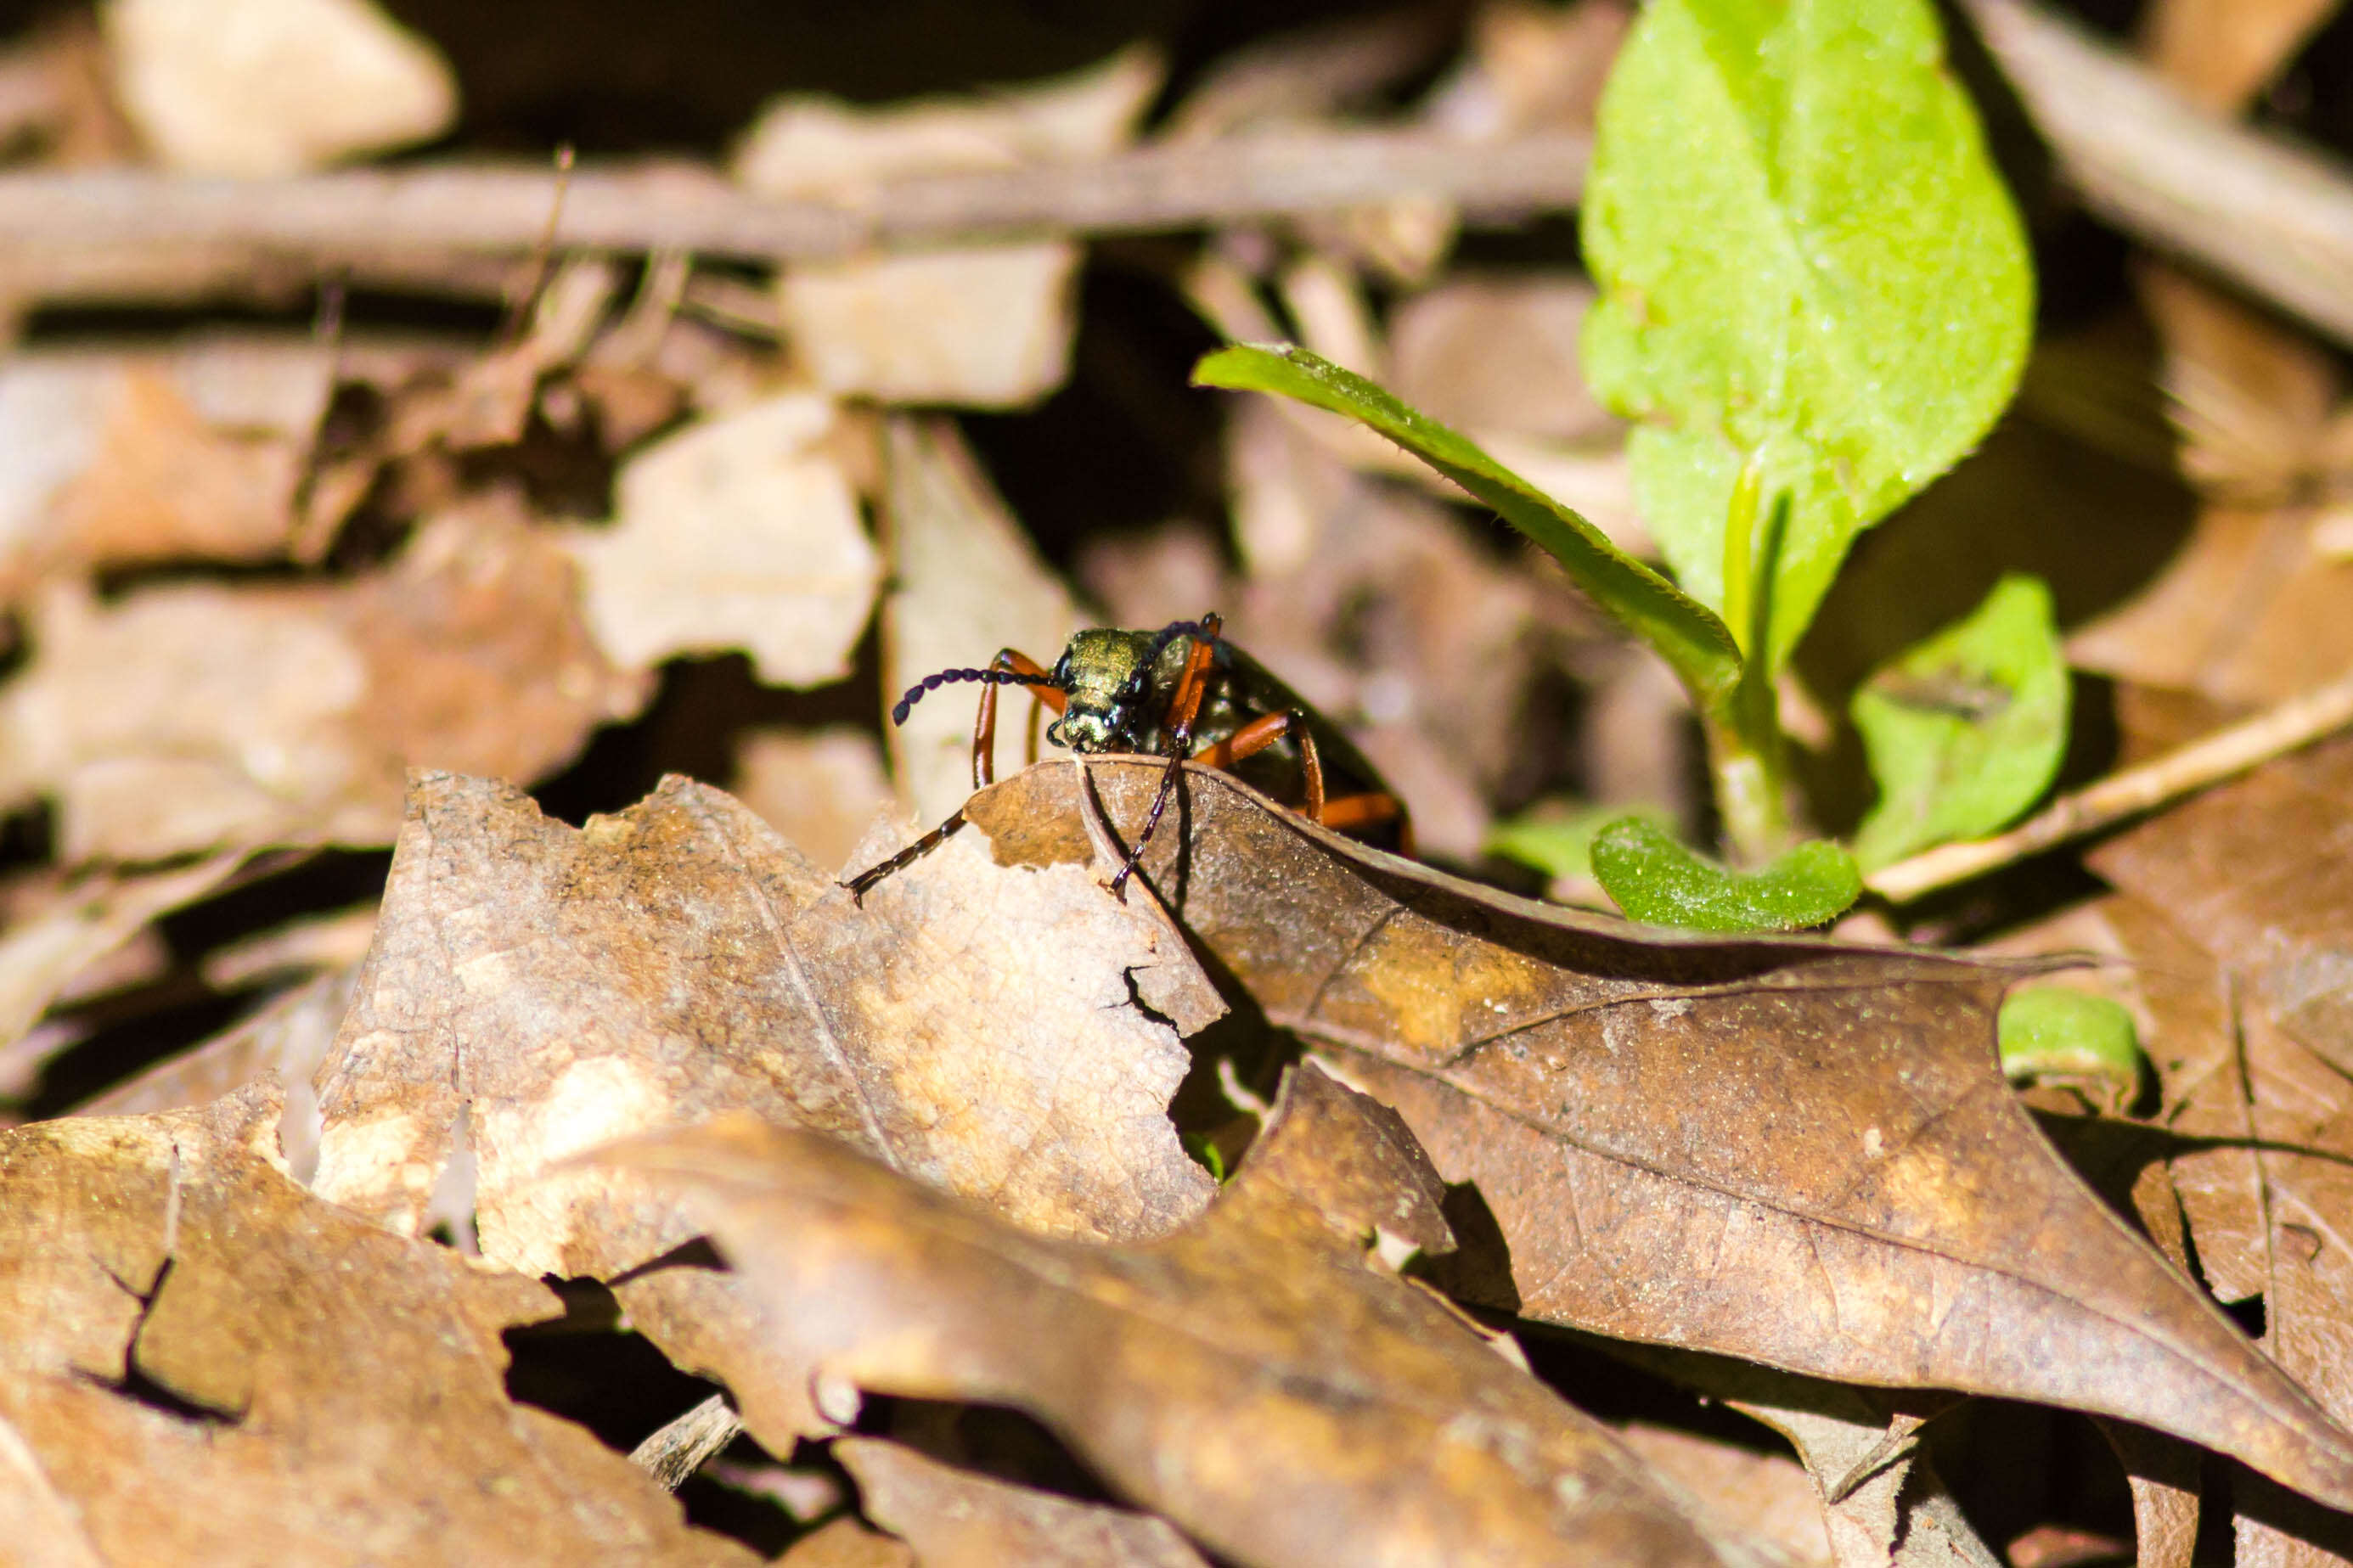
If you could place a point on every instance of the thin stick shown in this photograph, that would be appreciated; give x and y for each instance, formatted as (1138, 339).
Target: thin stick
(679, 1449)
(2297, 722)
(503, 207)
(2269, 214)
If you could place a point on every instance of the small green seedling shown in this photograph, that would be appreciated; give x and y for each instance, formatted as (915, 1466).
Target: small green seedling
(1814, 299)
(2057, 1034)
(1967, 730)
(1654, 878)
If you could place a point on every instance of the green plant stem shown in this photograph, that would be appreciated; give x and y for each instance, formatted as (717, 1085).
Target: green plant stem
(1749, 790)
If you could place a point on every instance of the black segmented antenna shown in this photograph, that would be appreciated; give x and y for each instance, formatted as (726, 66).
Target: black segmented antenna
(950, 677)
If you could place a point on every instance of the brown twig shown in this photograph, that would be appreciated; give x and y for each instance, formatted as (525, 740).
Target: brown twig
(2271, 216)
(2294, 724)
(679, 1449)
(503, 209)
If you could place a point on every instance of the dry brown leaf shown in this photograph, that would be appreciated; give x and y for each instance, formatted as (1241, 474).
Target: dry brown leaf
(535, 989)
(810, 145)
(202, 1363)
(1499, 353)
(846, 1544)
(988, 326)
(110, 455)
(2249, 611)
(59, 928)
(983, 326)
(289, 1036)
(166, 483)
(1783, 1149)
(1327, 1415)
(264, 87)
(819, 789)
(1534, 66)
(964, 581)
(186, 717)
(957, 1518)
(2248, 973)
(740, 531)
(2221, 53)
(1766, 1495)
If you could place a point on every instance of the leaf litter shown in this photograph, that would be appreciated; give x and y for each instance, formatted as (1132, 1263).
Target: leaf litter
(257, 580)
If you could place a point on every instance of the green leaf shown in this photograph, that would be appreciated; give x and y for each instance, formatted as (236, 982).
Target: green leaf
(1805, 256)
(1558, 842)
(2053, 1031)
(1686, 633)
(1657, 879)
(1966, 730)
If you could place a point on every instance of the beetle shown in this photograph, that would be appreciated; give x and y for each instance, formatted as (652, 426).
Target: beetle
(1166, 693)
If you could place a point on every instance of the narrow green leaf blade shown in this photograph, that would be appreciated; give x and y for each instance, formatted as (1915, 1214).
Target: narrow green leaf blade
(1654, 878)
(1966, 730)
(1804, 252)
(1687, 635)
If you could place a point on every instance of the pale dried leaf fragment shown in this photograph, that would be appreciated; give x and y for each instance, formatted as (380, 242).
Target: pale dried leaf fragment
(1329, 1414)
(323, 1392)
(1815, 1139)
(814, 145)
(819, 789)
(966, 581)
(1765, 1495)
(988, 326)
(113, 456)
(985, 326)
(186, 717)
(77, 923)
(959, 1518)
(1499, 353)
(740, 531)
(559, 987)
(270, 88)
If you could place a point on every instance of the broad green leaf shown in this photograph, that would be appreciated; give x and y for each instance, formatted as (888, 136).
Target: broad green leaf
(1805, 255)
(1558, 842)
(1687, 635)
(1966, 730)
(1654, 878)
(2053, 1031)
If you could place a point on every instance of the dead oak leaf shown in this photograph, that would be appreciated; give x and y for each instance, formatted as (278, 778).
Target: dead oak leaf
(535, 989)
(191, 716)
(200, 1363)
(2237, 910)
(1784, 1150)
(1252, 1377)
(957, 1518)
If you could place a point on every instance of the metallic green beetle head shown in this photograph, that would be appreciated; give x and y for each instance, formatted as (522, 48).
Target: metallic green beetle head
(1113, 704)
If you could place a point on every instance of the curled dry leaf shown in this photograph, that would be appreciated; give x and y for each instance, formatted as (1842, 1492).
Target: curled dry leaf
(2237, 909)
(983, 325)
(1010, 1036)
(56, 928)
(268, 88)
(819, 789)
(1328, 1414)
(956, 1519)
(186, 717)
(964, 581)
(846, 1544)
(739, 531)
(986, 326)
(200, 1363)
(289, 1036)
(1784, 1150)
